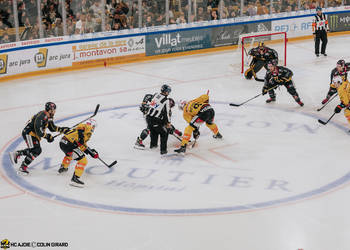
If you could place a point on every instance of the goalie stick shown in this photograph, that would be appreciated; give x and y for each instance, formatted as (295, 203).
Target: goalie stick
(95, 112)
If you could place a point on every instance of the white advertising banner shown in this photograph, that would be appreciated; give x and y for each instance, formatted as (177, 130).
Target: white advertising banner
(294, 27)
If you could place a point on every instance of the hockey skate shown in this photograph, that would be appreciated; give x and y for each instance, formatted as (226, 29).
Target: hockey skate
(217, 136)
(23, 170)
(180, 150)
(14, 157)
(325, 100)
(271, 99)
(75, 182)
(300, 103)
(139, 144)
(62, 169)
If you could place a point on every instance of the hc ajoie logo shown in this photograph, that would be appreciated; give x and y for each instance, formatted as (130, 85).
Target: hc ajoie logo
(39, 57)
(2, 64)
(5, 244)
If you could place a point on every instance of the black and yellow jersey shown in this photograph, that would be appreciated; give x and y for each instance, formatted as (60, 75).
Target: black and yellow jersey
(37, 125)
(80, 135)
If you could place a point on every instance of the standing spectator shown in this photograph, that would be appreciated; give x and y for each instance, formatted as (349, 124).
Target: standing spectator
(21, 14)
(80, 25)
(96, 9)
(90, 23)
(58, 30)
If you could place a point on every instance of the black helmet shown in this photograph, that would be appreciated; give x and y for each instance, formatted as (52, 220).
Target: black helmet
(50, 106)
(261, 45)
(165, 88)
(274, 62)
(341, 63)
(172, 102)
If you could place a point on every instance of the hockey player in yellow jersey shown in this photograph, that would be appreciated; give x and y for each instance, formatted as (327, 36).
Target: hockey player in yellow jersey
(73, 144)
(343, 88)
(197, 112)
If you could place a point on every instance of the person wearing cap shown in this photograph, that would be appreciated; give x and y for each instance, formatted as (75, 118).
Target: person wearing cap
(320, 28)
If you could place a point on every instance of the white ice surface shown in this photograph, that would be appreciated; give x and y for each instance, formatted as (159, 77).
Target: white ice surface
(270, 153)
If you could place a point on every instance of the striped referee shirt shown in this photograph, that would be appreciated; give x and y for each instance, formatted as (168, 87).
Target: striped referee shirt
(320, 23)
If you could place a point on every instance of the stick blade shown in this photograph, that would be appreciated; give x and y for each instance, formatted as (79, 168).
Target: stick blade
(112, 164)
(234, 105)
(322, 122)
(96, 109)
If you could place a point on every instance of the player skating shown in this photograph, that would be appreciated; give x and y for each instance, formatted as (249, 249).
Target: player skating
(34, 130)
(74, 145)
(261, 55)
(277, 76)
(341, 70)
(197, 112)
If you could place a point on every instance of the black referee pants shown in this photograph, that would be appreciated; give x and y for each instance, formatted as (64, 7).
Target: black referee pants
(320, 35)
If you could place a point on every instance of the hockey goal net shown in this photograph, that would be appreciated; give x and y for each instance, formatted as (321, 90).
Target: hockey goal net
(273, 40)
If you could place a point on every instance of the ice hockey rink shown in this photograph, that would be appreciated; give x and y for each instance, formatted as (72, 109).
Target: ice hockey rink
(278, 180)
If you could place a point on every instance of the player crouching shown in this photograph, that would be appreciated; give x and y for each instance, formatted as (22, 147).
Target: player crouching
(261, 55)
(276, 76)
(197, 112)
(343, 88)
(73, 144)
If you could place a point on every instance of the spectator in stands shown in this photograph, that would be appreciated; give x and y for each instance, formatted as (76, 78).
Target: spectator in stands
(5, 38)
(80, 25)
(32, 11)
(96, 9)
(21, 14)
(181, 18)
(91, 24)
(148, 21)
(58, 30)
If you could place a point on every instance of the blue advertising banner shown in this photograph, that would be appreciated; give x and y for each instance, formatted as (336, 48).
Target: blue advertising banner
(177, 41)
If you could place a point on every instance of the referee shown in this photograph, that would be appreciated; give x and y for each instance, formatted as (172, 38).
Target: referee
(320, 28)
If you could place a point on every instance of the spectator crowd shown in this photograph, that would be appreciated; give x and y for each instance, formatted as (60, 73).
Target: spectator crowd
(87, 16)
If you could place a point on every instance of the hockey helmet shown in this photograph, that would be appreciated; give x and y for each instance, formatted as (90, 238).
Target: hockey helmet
(273, 62)
(50, 106)
(182, 104)
(261, 45)
(171, 102)
(318, 8)
(91, 122)
(341, 63)
(337, 81)
(165, 89)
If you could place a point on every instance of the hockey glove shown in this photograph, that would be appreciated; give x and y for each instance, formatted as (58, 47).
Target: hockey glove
(144, 108)
(49, 138)
(264, 90)
(171, 130)
(339, 108)
(63, 130)
(92, 152)
(196, 134)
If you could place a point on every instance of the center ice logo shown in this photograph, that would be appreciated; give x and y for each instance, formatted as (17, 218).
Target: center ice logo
(257, 165)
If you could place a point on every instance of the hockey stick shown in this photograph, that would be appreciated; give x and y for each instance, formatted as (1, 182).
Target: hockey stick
(327, 102)
(237, 105)
(110, 165)
(96, 110)
(323, 122)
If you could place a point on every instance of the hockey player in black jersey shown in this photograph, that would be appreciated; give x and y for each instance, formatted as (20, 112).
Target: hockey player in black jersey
(261, 55)
(32, 134)
(276, 76)
(341, 70)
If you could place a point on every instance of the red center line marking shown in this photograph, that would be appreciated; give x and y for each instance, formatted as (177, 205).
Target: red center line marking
(222, 155)
(12, 195)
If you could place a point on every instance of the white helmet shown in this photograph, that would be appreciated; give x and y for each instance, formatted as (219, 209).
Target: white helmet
(182, 104)
(337, 81)
(91, 122)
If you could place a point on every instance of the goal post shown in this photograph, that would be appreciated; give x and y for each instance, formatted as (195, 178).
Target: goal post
(274, 40)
